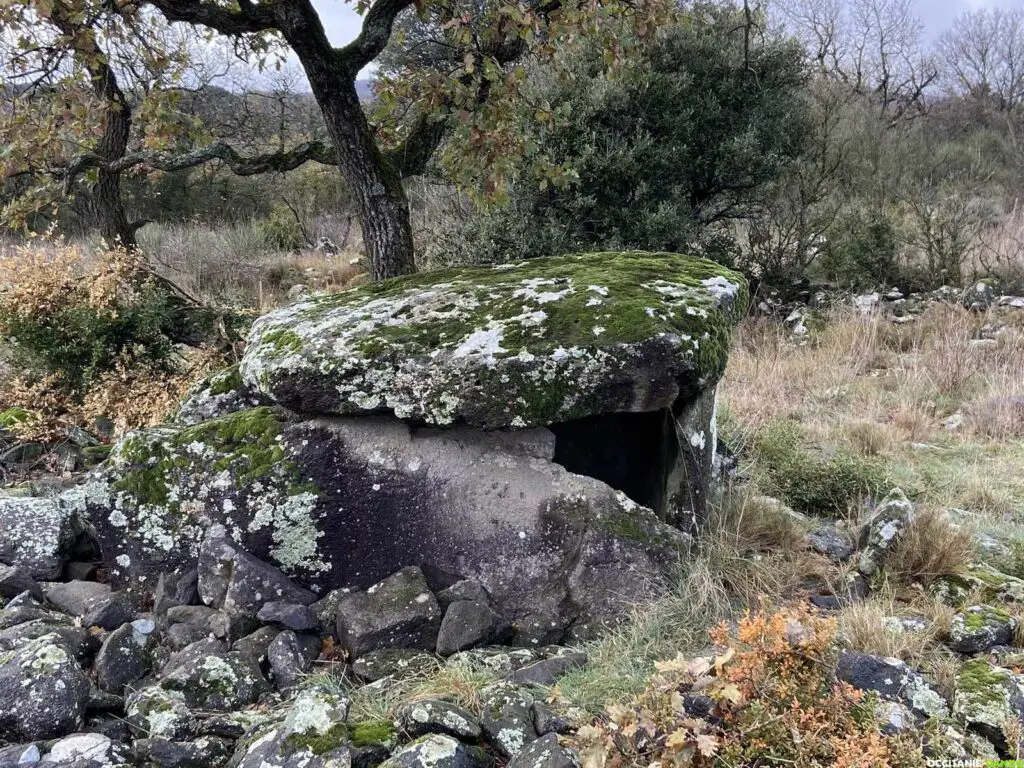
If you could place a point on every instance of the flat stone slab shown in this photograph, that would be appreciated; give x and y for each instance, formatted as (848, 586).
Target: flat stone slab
(520, 345)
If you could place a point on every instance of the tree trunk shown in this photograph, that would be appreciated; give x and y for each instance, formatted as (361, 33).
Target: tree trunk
(380, 197)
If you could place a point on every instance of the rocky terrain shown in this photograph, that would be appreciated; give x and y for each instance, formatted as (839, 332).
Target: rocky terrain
(428, 523)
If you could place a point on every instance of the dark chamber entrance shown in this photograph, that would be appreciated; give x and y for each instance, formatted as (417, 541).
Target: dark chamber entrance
(635, 453)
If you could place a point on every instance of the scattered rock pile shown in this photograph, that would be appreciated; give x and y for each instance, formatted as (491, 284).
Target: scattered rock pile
(200, 678)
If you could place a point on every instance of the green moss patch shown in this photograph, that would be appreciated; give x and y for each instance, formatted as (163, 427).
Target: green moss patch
(519, 345)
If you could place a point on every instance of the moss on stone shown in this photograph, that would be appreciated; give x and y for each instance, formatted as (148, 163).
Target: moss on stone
(226, 381)
(358, 735)
(533, 340)
(238, 469)
(245, 442)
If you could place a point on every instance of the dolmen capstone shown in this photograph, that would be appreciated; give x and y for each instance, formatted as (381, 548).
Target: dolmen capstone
(545, 429)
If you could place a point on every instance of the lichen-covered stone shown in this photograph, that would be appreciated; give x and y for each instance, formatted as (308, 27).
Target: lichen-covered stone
(989, 700)
(314, 733)
(435, 751)
(553, 550)
(209, 677)
(419, 718)
(37, 534)
(507, 720)
(546, 752)
(219, 394)
(126, 656)
(43, 691)
(880, 535)
(979, 628)
(522, 345)
(892, 680)
(993, 585)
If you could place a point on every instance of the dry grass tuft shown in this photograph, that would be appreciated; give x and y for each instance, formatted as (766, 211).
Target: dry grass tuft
(930, 546)
(869, 438)
(871, 626)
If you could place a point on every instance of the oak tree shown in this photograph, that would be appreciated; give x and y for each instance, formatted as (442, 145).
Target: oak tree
(472, 95)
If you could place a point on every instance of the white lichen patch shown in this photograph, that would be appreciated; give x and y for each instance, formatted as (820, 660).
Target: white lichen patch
(490, 346)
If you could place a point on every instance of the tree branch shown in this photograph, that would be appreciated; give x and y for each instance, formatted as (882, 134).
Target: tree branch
(246, 19)
(240, 165)
(374, 35)
(410, 158)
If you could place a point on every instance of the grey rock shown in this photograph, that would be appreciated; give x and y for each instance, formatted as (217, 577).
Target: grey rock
(173, 589)
(95, 603)
(314, 714)
(288, 663)
(546, 752)
(501, 660)
(831, 542)
(894, 717)
(217, 395)
(231, 626)
(392, 662)
(15, 580)
(507, 721)
(436, 751)
(466, 623)
(398, 612)
(546, 721)
(190, 614)
(547, 671)
(288, 615)
(19, 754)
(125, 657)
(181, 635)
(465, 589)
(200, 753)
(987, 698)
(325, 610)
(892, 680)
(38, 534)
(881, 534)
(95, 747)
(155, 712)
(979, 628)
(419, 718)
(256, 643)
(43, 691)
(24, 608)
(82, 644)
(235, 581)
(210, 677)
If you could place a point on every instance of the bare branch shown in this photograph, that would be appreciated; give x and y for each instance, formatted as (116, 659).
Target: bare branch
(315, 151)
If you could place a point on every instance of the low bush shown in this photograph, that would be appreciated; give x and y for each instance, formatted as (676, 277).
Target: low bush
(812, 479)
(87, 336)
(73, 319)
(774, 700)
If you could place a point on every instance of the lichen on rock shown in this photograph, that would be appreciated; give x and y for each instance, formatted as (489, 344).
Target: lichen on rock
(530, 344)
(164, 486)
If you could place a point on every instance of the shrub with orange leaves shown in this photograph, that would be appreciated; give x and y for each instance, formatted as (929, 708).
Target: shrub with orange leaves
(90, 335)
(768, 698)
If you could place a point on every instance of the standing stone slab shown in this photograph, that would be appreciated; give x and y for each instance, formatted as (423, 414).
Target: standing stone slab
(346, 502)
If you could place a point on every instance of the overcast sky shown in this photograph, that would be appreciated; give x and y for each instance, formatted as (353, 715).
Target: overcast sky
(342, 22)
